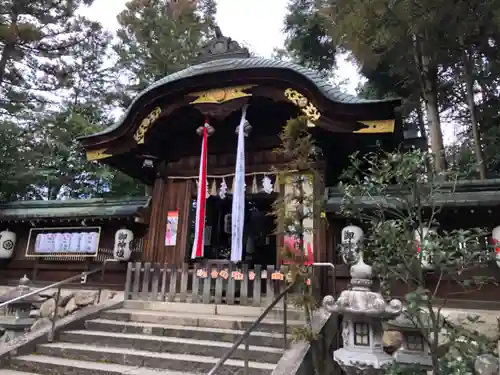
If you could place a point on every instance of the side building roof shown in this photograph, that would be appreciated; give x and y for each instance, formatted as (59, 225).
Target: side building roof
(465, 193)
(101, 208)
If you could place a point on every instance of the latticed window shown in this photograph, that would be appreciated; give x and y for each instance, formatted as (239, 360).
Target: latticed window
(415, 341)
(361, 334)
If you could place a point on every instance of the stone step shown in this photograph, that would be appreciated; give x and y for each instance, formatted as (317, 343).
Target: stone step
(171, 345)
(203, 333)
(44, 365)
(132, 357)
(5, 371)
(196, 320)
(293, 313)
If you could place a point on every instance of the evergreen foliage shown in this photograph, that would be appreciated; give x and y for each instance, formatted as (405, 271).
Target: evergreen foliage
(63, 76)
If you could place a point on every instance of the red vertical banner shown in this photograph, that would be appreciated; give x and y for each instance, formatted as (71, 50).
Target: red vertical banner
(199, 234)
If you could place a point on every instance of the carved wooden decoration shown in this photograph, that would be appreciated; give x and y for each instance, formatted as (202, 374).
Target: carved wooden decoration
(222, 95)
(301, 101)
(98, 154)
(145, 125)
(379, 126)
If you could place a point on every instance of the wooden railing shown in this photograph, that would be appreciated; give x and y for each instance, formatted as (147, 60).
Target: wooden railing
(212, 282)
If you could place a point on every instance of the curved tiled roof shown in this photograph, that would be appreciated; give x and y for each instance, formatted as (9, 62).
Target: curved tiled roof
(234, 64)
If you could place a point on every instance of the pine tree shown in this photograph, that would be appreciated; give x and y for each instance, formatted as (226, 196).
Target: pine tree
(86, 108)
(306, 40)
(35, 37)
(157, 38)
(37, 40)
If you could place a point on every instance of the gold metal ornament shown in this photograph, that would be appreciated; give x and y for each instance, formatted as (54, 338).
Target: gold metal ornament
(145, 125)
(221, 95)
(304, 104)
(98, 154)
(377, 126)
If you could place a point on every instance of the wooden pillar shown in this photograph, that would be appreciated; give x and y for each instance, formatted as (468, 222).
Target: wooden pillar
(320, 249)
(280, 227)
(156, 231)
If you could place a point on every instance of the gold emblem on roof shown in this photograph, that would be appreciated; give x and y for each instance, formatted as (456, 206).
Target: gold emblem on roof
(377, 126)
(98, 154)
(304, 104)
(221, 95)
(146, 123)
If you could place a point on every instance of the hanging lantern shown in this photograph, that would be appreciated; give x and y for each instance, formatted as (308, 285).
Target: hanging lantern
(122, 250)
(495, 241)
(422, 244)
(352, 239)
(7, 244)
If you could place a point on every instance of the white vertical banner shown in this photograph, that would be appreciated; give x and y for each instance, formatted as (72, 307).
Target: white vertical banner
(238, 208)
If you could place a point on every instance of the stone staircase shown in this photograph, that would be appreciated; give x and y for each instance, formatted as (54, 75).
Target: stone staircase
(146, 342)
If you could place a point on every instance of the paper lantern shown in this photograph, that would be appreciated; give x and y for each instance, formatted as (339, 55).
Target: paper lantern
(93, 242)
(352, 239)
(122, 250)
(7, 244)
(39, 241)
(495, 239)
(422, 244)
(74, 244)
(84, 239)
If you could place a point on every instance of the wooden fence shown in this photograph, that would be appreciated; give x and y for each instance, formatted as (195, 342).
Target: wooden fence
(204, 283)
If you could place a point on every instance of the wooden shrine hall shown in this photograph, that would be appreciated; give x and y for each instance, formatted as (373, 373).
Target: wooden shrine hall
(158, 142)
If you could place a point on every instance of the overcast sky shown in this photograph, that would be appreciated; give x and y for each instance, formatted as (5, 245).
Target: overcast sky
(256, 23)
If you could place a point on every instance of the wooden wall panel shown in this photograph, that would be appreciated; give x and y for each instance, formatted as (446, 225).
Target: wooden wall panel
(156, 222)
(178, 196)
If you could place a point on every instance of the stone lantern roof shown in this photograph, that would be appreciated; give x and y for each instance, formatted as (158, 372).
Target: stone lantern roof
(359, 299)
(410, 322)
(22, 289)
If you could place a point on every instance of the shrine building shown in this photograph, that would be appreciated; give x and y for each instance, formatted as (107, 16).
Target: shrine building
(159, 142)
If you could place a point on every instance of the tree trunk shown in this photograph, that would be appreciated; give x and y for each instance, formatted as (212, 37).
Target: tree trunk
(421, 121)
(430, 93)
(428, 82)
(7, 49)
(6, 53)
(469, 85)
(437, 146)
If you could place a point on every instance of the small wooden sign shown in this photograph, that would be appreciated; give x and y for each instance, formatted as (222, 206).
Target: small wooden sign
(224, 274)
(277, 276)
(202, 273)
(238, 275)
(214, 274)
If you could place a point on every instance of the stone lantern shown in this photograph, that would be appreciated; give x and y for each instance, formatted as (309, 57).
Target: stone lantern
(17, 320)
(363, 312)
(414, 349)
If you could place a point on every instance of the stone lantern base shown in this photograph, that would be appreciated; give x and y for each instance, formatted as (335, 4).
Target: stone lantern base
(362, 363)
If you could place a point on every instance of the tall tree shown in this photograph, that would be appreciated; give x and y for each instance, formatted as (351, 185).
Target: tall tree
(306, 40)
(158, 37)
(309, 43)
(85, 108)
(35, 37)
(412, 33)
(56, 83)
